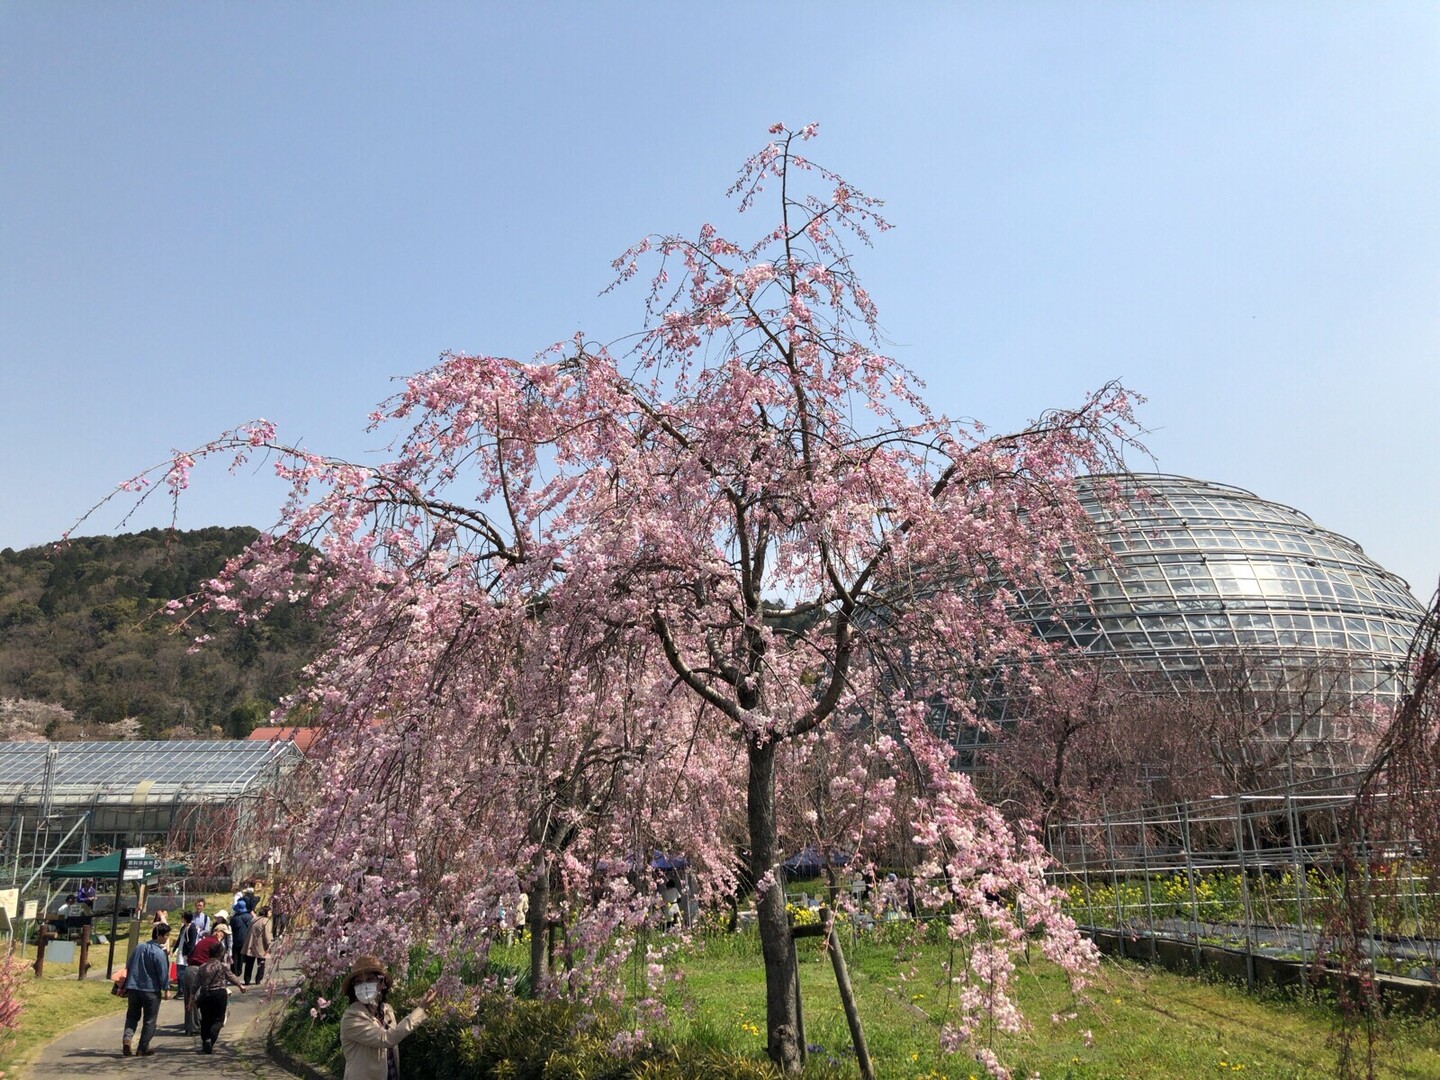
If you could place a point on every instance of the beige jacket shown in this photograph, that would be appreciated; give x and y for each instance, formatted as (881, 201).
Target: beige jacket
(257, 944)
(364, 1039)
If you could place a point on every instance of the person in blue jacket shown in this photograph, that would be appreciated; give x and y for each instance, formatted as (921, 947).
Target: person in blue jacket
(147, 976)
(239, 933)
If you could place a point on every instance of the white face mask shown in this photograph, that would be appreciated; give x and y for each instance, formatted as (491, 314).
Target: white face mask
(367, 992)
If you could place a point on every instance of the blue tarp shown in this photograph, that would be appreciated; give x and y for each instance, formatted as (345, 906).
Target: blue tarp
(809, 861)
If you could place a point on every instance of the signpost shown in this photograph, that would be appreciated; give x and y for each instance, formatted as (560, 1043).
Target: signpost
(32, 909)
(134, 865)
(10, 905)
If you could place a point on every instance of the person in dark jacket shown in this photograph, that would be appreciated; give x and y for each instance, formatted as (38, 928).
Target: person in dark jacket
(184, 970)
(257, 947)
(239, 932)
(147, 976)
(212, 999)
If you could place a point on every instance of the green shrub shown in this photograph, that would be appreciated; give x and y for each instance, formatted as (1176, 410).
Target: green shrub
(439, 1051)
(516, 1039)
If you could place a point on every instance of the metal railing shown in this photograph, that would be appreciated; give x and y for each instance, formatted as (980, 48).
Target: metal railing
(1261, 873)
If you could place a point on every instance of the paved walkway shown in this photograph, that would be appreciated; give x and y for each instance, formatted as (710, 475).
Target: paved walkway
(92, 1050)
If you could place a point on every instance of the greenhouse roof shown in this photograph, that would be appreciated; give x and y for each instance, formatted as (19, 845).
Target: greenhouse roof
(140, 770)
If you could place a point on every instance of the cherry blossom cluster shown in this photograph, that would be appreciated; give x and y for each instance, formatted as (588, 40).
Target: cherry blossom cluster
(696, 597)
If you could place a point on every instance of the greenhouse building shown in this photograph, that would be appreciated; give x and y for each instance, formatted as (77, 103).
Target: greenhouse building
(1204, 577)
(65, 802)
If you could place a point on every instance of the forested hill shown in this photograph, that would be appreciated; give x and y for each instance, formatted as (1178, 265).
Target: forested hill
(86, 650)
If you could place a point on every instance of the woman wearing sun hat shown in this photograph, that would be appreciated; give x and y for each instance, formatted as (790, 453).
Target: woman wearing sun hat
(369, 1036)
(222, 926)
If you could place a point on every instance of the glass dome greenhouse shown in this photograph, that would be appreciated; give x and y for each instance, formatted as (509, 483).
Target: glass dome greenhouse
(1205, 573)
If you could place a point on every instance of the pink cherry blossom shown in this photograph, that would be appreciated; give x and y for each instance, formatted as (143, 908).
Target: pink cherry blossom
(698, 598)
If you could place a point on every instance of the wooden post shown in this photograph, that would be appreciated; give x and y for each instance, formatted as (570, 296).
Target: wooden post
(826, 929)
(799, 1008)
(84, 950)
(847, 996)
(139, 931)
(115, 914)
(797, 932)
(41, 940)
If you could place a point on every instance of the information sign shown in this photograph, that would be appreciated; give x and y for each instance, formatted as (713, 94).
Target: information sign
(135, 874)
(32, 908)
(132, 853)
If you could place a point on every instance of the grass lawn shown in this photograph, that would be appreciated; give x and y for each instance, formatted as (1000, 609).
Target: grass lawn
(1145, 1022)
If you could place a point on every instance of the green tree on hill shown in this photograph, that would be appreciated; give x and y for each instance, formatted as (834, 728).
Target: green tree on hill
(83, 630)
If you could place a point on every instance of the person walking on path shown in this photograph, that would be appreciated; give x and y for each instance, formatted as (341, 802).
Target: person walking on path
(277, 914)
(212, 998)
(147, 977)
(202, 921)
(221, 927)
(89, 1050)
(239, 934)
(257, 947)
(369, 1036)
(210, 944)
(184, 970)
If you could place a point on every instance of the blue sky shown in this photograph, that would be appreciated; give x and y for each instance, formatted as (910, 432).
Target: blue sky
(215, 212)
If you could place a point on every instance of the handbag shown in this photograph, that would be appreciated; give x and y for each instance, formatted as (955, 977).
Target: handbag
(117, 982)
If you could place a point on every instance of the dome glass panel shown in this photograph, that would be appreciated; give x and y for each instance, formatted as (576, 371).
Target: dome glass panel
(1204, 571)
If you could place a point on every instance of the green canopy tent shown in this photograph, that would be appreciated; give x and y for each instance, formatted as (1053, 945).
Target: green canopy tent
(108, 867)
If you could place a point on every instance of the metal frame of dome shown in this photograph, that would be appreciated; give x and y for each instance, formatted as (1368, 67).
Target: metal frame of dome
(1204, 571)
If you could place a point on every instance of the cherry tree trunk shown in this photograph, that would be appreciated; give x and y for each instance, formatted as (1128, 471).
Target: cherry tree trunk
(537, 919)
(782, 1021)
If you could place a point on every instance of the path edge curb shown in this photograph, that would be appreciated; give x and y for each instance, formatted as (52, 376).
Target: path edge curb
(290, 1063)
